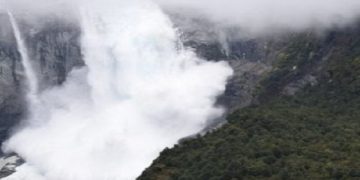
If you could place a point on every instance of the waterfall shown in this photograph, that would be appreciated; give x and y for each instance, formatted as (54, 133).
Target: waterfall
(139, 93)
(30, 73)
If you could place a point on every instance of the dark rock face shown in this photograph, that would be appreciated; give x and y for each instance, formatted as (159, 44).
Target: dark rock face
(11, 98)
(54, 49)
(8, 164)
(249, 58)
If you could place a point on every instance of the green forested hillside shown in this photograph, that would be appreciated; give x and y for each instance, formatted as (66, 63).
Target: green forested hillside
(314, 134)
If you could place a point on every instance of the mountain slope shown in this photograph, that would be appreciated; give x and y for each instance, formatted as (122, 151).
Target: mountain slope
(304, 123)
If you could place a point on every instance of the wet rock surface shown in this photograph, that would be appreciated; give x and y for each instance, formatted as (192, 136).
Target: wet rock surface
(8, 164)
(54, 50)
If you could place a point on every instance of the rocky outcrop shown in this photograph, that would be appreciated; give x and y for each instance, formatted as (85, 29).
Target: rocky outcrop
(8, 164)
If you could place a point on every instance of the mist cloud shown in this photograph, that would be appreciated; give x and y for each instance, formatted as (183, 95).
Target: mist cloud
(252, 16)
(269, 16)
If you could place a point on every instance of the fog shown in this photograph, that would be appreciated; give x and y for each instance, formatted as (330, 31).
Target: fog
(253, 16)
(268, 16)
(225, 19)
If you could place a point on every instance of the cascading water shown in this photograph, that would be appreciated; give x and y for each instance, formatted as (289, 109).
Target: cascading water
(139, 93)
(30, 74)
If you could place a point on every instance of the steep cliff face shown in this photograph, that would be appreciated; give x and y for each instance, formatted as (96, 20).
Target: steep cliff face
(250, 58)
(11, 96)
(54, 50)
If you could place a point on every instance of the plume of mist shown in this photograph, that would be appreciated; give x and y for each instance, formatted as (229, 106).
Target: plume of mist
(140, 92)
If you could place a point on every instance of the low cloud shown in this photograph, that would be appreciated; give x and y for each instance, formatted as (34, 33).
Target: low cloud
(266, 17)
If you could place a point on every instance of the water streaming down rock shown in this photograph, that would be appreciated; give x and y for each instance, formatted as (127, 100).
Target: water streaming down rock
(139, 93)
(30, 74)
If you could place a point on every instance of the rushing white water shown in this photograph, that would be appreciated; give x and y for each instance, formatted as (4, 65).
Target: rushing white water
(30, 74)
(139, 93)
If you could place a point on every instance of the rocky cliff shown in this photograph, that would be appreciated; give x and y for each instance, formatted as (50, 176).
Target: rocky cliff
(54, 50)
(11, 96)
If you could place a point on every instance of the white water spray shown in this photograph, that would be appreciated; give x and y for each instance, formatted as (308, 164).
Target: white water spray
(139, 93)
(30, 74)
